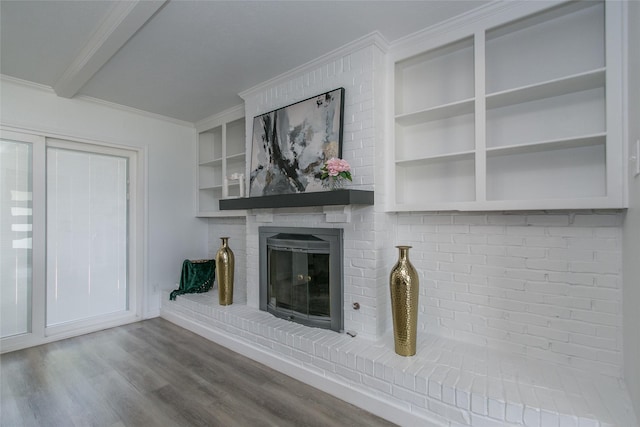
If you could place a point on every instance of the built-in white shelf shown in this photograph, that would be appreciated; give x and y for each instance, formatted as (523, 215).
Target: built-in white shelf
(522, 113)
(211, 187)
(453, 109)
(435, 81)
(542, 146)
(236, 157)
(221, 153)
(214, 162)
(436, 158)
(562, 86)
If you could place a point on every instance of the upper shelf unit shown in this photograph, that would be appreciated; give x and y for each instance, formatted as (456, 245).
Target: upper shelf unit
(221, 154)
(524, 113)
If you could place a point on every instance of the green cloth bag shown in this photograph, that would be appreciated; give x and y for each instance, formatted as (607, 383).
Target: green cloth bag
(197, 277)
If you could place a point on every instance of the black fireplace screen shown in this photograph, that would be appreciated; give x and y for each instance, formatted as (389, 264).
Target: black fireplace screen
(300, 283)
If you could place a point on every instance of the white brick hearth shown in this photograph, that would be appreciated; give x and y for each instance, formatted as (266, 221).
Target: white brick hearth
(447, 383)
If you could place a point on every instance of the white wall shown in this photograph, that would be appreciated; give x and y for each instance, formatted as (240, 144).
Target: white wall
(631, 229)
(173, 232)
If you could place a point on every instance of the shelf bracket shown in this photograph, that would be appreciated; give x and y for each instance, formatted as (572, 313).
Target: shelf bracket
(264, 215)
(335, 214)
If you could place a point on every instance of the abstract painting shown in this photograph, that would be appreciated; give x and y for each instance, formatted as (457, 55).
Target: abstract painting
(291, 144)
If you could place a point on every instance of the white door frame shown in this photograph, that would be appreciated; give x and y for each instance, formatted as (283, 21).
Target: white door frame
(39, 334)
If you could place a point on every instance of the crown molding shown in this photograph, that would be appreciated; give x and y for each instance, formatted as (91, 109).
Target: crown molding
(84, 98)
(133, 110)
(26, 83)
(372, 39)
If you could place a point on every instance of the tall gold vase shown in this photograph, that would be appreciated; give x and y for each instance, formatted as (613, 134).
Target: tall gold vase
(225, 264)
(403, 282)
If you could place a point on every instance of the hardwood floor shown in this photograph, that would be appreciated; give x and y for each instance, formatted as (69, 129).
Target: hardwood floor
(154, 373)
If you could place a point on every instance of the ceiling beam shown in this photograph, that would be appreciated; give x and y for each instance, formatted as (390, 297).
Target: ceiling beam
(119, 24)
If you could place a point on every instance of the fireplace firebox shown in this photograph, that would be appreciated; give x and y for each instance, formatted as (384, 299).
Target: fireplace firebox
(301, 275)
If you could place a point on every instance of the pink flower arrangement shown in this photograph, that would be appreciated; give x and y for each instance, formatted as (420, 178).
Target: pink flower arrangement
(336, 168)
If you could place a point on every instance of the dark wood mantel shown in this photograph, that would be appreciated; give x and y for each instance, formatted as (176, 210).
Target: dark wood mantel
(320, 198)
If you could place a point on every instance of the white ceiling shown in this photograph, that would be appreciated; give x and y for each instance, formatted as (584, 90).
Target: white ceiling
(189, 59)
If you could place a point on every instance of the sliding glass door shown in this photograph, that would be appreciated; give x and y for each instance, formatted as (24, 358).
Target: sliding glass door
(16, 226)
(87, 223)
(71, 228)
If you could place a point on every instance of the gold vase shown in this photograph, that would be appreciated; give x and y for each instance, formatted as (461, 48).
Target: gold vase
(403, 282)
(225, 264)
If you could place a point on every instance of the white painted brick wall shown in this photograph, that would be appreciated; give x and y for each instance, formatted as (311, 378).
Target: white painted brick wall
(364, 274)
(524, 299)
(543, 284)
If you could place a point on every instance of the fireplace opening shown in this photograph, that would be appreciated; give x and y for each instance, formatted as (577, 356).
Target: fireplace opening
(301, 275)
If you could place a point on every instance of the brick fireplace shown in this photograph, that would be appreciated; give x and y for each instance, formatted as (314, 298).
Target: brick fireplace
(526, 292)
(517, 321)
(544, 284)
(301, 275)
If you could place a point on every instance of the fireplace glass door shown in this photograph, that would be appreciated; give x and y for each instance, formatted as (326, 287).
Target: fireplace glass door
(298, 278)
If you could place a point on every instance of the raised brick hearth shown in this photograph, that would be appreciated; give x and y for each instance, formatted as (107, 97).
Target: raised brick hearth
(447, 383)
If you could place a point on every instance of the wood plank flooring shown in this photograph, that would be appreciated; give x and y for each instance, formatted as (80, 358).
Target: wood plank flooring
(154, 373)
